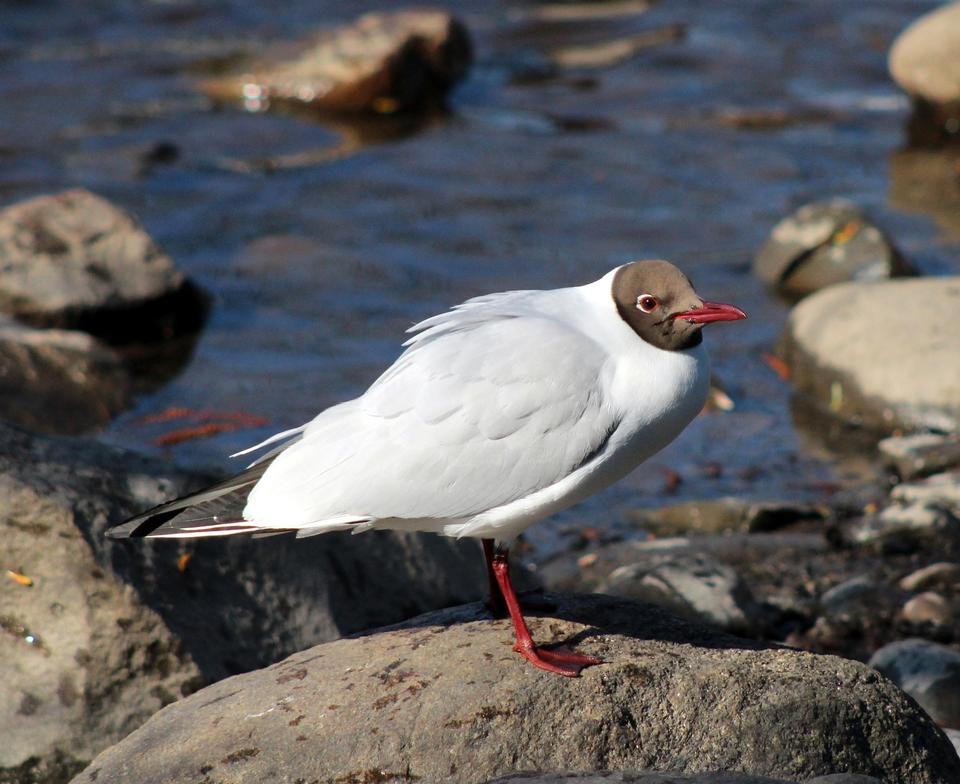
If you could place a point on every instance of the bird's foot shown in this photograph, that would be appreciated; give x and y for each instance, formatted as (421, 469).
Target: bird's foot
(557, 660)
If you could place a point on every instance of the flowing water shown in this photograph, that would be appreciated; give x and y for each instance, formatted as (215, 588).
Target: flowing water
(321, 245)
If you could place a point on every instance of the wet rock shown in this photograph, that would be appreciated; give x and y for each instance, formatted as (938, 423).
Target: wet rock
(938, 575)
(921, 454)
(898, 371)
(937, 489)
(923, 61)
(73, 257)
(928, 672)
(445, 699)
(825, 243)
(639, 777)
(847, 603)
(383, 63)
(693, 585)
(723, 514)
(927, 182)
(927, 607)
(99, 634)
(58, 381)
(901, 528)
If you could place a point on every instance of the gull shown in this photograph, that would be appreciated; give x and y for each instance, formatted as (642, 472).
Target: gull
(499, 413)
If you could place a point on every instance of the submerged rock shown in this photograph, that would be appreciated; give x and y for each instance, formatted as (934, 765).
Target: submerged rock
(889, 371)
(445, 699)
(825, 243)
(97, 634)
(923, 61)
(383, 63)
(928, 672)
(66, 257)
(58, 381)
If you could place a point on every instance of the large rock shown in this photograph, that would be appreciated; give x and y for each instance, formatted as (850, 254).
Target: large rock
(825, 243)
(66, 256)
(641, 777)
(923, 61)
(444, 699)
(110, 631)
(885, 355)
(383, 63)
(58, 381)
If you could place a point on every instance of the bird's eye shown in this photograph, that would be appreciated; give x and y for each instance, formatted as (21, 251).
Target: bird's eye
(647, 303)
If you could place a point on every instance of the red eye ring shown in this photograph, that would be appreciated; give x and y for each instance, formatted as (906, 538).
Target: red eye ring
(647, 303)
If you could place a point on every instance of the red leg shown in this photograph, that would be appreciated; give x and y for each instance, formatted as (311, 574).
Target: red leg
(495, 602)
(557, 661)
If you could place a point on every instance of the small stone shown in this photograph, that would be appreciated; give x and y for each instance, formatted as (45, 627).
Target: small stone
(928, 607)
(722, 515)
(693, 585)
(833, 339)
(944, 574)
(66, 256)
(941, 489)
(921, 454)
(825, 243)
(383, 63)
(928, 672)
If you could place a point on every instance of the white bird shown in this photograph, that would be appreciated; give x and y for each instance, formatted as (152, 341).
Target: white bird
(499, 413)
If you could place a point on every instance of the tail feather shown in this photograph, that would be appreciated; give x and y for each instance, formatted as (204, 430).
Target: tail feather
(214, 511)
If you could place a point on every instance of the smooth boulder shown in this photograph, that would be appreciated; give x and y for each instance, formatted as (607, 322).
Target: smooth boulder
(97, 634)
(66, 256)
(444, 698)
(928, 672)
(883, 355)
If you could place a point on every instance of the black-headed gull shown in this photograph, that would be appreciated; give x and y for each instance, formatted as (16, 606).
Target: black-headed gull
(500, 412)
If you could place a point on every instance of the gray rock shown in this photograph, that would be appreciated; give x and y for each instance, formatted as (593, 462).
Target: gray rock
(833, 340)
(112, 630)
(954, 737)
(383, 63)
(639, 777)
(693, 585)
(58, 381)
(922, 454)
(444, 699)
(928, 672)
(902, 527)
(943, 489)
(636, 777)
(65, 256)
(943, 574)
(847, 604)
(923, 59)
(824, 243)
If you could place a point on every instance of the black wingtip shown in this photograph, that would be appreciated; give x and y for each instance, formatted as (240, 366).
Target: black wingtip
(141, 525)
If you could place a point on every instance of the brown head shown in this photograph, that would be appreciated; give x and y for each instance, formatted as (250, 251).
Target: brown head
(659, 303)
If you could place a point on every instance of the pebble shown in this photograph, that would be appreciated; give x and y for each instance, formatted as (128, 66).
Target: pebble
(928, 607)
(923, 59)
(944, 574)
(928, 672)
(900, 527)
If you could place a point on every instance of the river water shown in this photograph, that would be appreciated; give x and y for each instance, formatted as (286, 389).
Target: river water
(690, 151)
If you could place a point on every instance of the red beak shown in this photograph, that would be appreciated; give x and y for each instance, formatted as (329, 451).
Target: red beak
(710, 312)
